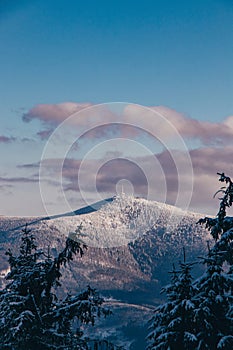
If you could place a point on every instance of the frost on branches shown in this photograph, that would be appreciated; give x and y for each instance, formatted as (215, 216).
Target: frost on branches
(31, 316)
(172, 323)
(199, 315)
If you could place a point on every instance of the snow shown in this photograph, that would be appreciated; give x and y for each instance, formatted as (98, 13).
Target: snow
(219, 299)
(190, 337)
(174, 323)
(122, 221)
(225, 341)
(188, 304)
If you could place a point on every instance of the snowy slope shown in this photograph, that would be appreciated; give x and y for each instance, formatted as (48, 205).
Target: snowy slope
(130, 240)
(132, 245)
(124, 221)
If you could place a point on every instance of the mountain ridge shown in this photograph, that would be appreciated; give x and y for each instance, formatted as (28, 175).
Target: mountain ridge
(123, 226)
(151, 236)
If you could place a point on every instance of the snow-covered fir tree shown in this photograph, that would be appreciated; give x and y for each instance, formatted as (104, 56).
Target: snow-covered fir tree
(212, 323)
(31, 316)
(214, 317)
(171, 327)
(203, 318)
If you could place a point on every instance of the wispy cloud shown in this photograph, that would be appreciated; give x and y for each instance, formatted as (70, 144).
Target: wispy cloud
(53, 113)
(20, 179)
(7, 139)
(11, 139)
(29, 165)
(44, 134)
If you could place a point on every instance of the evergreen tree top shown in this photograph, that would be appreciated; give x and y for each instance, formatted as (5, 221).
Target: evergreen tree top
(31, 315)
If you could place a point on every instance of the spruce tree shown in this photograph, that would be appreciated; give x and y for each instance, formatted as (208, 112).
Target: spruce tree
(171, 327)
(212, 324)
(31, 316)
(207, 321)
(214, 321)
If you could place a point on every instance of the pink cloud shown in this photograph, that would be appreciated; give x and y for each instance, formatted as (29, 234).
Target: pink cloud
(189, 128)
(44, 134)
(53, 113)
(215, 156)
(148, 118)
(206, 163)
(6, 139)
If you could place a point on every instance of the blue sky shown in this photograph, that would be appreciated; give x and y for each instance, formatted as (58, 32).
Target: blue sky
(176, 54)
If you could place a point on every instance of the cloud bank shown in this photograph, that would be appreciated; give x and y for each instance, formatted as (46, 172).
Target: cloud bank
(209, 133)
(210, 147)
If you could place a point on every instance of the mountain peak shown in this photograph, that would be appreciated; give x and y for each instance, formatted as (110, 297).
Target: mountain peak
(121, 220)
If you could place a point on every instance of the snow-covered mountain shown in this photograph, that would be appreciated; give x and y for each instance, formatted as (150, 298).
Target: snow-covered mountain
(132, 243)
